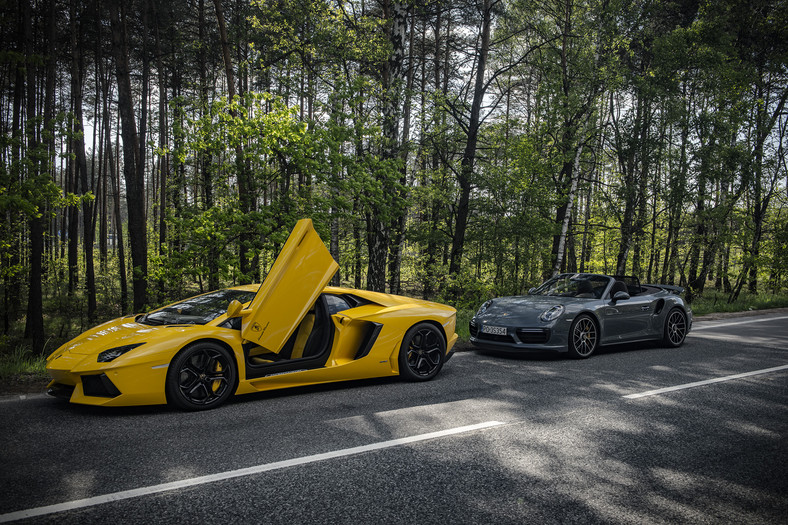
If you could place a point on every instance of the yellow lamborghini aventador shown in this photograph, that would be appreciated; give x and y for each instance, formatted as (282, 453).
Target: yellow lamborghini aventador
(290, 331)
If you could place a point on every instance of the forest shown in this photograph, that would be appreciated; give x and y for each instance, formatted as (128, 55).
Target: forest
(454, 150)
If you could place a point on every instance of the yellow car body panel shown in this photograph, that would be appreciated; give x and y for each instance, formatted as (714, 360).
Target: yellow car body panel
(358, 334)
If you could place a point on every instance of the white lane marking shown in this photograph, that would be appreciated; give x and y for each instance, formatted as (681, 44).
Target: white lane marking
(706, 382)
(718, 324)
(174, 485)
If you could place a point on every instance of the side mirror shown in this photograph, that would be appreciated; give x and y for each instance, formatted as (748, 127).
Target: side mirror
(620, 296)
(234, 309)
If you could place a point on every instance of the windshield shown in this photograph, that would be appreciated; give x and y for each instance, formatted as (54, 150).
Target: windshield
(580, 285)
(197, 310)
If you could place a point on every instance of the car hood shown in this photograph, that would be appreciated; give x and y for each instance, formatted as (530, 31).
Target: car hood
(516, 310)
(118, 332)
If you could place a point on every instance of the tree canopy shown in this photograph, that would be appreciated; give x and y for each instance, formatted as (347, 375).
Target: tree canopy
(453, 150)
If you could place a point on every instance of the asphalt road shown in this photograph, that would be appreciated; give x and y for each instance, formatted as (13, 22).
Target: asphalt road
(491, 440)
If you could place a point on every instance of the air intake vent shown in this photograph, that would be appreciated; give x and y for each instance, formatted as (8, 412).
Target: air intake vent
(533, 336)
(99, 386)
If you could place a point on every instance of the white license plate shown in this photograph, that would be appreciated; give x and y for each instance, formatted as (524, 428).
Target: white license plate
(494, 330)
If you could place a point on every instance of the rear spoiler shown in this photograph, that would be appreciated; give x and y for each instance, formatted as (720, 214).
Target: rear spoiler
(677, 290)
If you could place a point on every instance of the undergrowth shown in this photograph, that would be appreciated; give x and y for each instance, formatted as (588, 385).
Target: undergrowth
(21, 363)
(715, 301)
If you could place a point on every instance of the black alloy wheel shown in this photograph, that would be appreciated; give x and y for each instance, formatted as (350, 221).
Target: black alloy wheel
(201, 376)
(583, 337)
(675, 328)
(422, 353)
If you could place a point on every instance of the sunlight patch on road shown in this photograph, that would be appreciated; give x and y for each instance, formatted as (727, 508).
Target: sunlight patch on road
(387, 424)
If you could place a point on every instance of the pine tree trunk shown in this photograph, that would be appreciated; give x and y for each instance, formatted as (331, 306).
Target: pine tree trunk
(34, 326)
(115, 183)
(464, 178)
(80, 164)
(135, 185)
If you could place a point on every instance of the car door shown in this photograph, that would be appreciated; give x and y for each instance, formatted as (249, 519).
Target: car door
(301, 271)
(628, 319)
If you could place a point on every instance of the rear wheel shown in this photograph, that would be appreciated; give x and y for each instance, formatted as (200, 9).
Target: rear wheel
(583, 337)
(422, 353)
(201, 376)
(675, 328)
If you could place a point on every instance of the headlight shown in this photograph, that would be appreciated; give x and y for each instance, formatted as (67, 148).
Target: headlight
(552, 314)
(113, 353)
(483, 308)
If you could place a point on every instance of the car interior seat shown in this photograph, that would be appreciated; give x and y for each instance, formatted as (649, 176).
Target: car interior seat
(618, 286)
(305, 329)
(319, 337)
(585, 289)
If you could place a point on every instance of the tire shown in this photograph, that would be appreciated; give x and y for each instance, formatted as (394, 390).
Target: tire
(583, 337)
(201, 376)
(422, 353)
(675, 328)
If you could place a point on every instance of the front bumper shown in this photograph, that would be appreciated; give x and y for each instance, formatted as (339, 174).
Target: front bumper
(81, 380)
(520, 340)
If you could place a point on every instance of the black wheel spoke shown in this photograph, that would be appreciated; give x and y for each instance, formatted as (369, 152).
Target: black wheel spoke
(198, 394)
(205, 377)
(434, 356)
(200, 361)
(424, 352)
(188, 377)
(216, 376)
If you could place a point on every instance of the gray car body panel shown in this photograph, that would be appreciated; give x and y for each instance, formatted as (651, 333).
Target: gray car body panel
(641, 317)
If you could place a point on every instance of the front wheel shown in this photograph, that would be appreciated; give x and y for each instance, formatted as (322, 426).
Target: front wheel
(201, 376)
(422, 352)
(583, 337)
(675, 328)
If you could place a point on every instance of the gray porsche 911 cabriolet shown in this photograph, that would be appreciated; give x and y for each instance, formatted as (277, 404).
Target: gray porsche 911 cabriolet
(578, 312)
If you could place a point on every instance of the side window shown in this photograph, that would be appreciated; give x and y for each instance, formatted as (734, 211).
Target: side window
(335, 303)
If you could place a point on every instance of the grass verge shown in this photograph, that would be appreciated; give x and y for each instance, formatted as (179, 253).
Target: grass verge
(21, 371)
(716, 302)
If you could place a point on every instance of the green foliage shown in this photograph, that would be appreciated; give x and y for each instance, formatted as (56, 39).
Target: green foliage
(469, 290)
(464, 317)
(27, 190)
(316, 29)
(275, 144)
